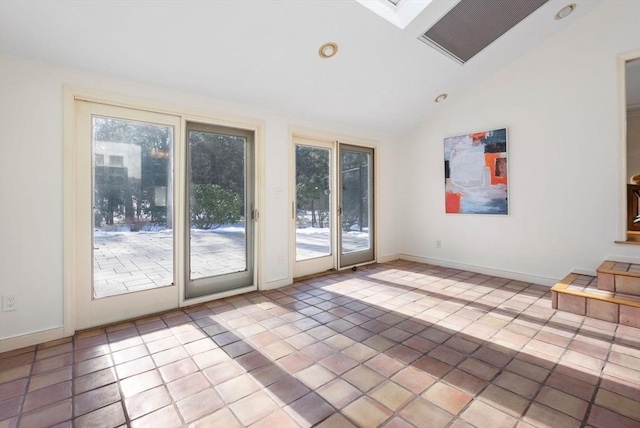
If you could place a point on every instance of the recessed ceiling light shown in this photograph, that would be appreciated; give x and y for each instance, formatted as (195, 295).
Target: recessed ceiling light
(565, 11)
(328, 50)
(440, 98)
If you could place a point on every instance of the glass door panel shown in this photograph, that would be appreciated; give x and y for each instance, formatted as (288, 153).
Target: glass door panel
(132, 206)
(356, 205)
(126, 180)
(313, 202)
(314, 207)
(220, 209)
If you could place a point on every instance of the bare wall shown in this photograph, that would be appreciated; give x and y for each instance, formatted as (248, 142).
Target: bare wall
(559, 103)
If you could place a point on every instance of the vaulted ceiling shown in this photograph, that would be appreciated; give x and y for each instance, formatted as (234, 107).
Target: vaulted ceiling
(264, 53)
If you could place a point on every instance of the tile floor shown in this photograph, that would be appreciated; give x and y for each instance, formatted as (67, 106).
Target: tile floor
(624, 310)
(396, 345)
(626, 267)
(589, 284)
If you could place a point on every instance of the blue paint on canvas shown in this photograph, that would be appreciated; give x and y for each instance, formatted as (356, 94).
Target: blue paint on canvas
(492, 206)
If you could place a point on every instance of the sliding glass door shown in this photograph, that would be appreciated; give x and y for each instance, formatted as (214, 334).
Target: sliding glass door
(126, 203)
(221, 209)
(356, 205)
(161, 216)
(314, 207)
(333, 211)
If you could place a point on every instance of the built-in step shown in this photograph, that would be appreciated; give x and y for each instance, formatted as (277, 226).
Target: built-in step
(619, 277)
(580, 295)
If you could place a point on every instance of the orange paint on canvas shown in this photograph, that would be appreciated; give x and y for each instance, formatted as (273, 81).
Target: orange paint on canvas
(490, 159)
(452, 202)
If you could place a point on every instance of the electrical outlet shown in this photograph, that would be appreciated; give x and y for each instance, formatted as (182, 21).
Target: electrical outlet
(438, 243)
(9, 302)
(280, 259)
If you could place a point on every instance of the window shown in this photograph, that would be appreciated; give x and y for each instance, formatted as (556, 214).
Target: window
(116, 161)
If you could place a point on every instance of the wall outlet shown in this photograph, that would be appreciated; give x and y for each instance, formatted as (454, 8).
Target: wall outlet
(10, 302)
(438, 243)
(280, 259)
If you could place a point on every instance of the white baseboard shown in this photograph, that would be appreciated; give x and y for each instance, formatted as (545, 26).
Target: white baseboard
(277, 284)
(388, 258)
(518, 276)
(30, 339)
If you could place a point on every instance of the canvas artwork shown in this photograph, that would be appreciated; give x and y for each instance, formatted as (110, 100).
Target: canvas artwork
(475, 173)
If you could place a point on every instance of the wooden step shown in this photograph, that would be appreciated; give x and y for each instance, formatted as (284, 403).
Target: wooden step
(619, 277)
(579, 294)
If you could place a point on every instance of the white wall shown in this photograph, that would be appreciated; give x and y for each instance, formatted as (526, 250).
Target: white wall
(31, 211)
(559, 103)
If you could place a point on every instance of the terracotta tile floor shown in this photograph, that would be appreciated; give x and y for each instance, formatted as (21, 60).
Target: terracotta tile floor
(397, 345)
(589, 284)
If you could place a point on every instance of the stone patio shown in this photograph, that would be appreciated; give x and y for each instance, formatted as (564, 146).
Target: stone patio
(133, 261)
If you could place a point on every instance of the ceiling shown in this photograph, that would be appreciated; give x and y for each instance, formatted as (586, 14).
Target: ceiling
(264, 53)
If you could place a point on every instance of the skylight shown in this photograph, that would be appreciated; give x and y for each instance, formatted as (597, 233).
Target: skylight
(398, 12)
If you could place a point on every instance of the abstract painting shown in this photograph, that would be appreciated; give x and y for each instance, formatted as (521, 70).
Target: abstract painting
(475, 173)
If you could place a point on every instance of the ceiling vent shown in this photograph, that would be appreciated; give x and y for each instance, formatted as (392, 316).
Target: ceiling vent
(472, 25)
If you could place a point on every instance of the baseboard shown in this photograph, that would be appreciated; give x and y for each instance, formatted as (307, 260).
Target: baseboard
(518, 276)
(389, 258)
(30, 339)
(276, 284)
